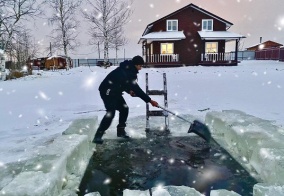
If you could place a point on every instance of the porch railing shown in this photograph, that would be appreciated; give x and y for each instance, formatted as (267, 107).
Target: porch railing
(162, 58)
(212, 57)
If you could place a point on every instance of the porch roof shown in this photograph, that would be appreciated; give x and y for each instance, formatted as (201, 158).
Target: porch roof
(219, 35)
(162, 36)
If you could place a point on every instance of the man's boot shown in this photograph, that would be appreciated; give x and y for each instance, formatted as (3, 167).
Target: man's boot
(121, 133)
(98, 137)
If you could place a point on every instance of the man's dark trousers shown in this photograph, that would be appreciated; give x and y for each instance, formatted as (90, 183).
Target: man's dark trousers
(113, 103)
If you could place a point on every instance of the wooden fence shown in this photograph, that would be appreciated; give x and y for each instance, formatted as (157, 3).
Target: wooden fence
(270, 54)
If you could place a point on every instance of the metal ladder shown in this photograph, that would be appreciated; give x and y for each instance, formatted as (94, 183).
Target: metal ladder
(157, 112)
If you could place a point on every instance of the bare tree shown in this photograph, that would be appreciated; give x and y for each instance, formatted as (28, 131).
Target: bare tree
(65, 25)
(23, 47)
(12, 13)
(118, 40)
(106, 17)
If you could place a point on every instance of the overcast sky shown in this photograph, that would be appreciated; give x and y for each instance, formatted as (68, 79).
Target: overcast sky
(251, 18)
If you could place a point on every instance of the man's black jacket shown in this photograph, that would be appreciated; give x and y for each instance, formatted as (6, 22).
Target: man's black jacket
(122, 79)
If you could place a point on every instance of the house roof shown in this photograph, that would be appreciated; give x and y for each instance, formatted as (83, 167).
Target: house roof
(163, 36)
(149, 26)
(219, 35)
(266, 44)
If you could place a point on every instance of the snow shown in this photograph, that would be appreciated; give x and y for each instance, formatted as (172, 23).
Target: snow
(215, 35)
(162, 36)
(37, 109)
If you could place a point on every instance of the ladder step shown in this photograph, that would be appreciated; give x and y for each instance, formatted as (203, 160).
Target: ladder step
(156, 113)
(156, 92)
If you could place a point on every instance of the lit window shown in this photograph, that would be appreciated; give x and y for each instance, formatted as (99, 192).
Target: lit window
(211, 47)
(207, 25)
(167, 48)
(172, 25)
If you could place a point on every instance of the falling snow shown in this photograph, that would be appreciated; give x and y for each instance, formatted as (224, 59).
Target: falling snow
(43, 106)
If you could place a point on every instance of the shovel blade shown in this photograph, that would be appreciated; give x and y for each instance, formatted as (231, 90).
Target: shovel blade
(200, 129)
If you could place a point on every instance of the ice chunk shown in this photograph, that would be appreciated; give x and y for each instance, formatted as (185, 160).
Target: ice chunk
(86, 126)
(269, 163)
(93, 194)
(38, 184)
(128, 192)
(262, 189)
(242, 134)
(182, 190)
(223, 192)
(164, 191)
(46, 172)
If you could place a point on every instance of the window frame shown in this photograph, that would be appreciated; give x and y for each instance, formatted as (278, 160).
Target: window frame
(206, 20)
(167, 44)
(217, 45)
(174, 20)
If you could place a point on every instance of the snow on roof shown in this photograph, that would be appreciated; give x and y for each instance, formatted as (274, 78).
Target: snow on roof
(1, 51)
(163, 35)
(56, 56)
(219, 35)
(263, 43)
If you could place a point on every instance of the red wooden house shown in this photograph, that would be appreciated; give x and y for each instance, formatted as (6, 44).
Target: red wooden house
(189, 36)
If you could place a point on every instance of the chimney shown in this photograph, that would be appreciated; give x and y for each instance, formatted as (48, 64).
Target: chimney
(260, 40)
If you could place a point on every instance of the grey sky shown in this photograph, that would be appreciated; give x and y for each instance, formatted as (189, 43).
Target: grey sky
(252, 18)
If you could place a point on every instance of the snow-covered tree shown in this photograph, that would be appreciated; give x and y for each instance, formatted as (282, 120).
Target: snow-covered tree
(65, 24)
(106, 18)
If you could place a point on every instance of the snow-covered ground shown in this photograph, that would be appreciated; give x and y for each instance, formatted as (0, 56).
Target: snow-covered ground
(38, 108)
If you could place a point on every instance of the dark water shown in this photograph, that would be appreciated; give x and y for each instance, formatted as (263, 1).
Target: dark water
(161, 160)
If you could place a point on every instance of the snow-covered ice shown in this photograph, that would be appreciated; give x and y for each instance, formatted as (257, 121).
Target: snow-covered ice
(37, 109)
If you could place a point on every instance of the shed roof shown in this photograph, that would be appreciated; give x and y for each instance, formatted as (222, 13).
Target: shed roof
(162, 36)
(265, 44)
(219, 35)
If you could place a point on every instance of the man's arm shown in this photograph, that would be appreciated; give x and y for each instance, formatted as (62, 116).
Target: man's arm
(137, 91)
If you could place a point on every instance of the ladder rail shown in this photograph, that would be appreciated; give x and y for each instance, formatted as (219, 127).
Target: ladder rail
(153, 112)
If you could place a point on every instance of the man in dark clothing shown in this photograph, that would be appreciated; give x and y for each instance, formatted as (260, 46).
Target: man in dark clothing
(115, 83)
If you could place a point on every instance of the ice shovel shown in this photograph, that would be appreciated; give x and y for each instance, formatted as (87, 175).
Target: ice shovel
(196, 126)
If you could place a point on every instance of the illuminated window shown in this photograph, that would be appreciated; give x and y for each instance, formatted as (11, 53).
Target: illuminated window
(172, 25)
(167, 48)
(211, 47)
(207, 25)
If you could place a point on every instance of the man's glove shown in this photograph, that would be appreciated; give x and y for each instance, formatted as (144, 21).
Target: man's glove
(132, 93)
(154, 103)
